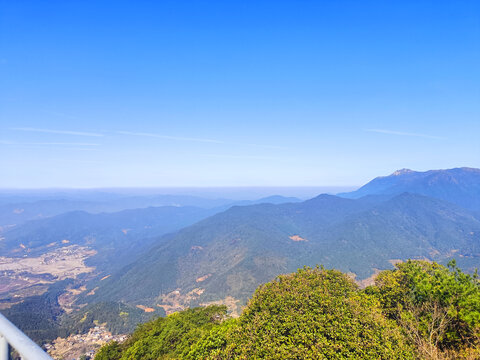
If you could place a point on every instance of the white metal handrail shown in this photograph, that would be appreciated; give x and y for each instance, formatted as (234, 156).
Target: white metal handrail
(11, 335)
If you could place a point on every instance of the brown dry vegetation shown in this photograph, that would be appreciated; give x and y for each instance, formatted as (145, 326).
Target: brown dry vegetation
(297, 238)
(28, 276)
(176, 301)
(145, 308)
(203, 278)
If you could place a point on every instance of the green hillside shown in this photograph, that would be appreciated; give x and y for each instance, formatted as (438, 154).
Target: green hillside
(116, 237)
(231, 253)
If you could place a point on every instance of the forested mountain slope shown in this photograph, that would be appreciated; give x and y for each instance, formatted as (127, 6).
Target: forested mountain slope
(231, 253)
(115, 236)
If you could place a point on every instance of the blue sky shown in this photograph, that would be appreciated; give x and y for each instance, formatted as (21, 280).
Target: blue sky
(235, 93)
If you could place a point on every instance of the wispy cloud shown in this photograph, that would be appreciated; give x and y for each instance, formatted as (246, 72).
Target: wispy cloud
(401, 133)
(246, 157)
(6, 142)
(202, 140)
(167, 137)
(63, 132)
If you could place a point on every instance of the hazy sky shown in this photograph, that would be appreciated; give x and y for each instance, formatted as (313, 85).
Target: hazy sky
(198, 93)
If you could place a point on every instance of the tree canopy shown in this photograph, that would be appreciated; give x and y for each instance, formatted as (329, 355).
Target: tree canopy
(419, 310)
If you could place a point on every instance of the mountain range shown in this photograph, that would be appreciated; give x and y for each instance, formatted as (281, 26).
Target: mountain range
(460, 186)
(115, 236)
(171, 257)
(229, 254)
(18, 210)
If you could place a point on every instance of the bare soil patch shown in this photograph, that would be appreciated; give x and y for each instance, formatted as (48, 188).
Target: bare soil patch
(297, 238)
(176, 301)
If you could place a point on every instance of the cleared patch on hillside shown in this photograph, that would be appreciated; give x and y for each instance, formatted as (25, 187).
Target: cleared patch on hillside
(176, 301)
(203, 278)
(145, 308)
(297, 238)
(67, 299)
(92, 292)
(232, 304)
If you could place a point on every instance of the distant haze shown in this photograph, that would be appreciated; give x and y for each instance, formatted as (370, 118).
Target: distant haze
(234, 193)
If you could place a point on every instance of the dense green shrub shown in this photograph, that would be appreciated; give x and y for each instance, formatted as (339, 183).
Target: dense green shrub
(420, 310)
(438, 307)
(111, 351)
(314, 314)
(212, 343)
(166, 338)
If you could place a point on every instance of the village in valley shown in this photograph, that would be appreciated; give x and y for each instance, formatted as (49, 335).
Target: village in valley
(82, 346)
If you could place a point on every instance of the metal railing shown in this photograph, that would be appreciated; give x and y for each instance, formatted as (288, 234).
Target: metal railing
(10, 335)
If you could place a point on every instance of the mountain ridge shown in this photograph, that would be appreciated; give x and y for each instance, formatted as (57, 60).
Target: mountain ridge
(460, 186)
(245, 246)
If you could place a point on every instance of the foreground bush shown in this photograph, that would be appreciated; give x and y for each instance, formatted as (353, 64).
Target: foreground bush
(166, 338)
(313, 314)
(437, 307)
(420, 310)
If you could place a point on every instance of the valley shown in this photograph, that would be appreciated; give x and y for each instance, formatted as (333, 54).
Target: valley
(28, 276)
(74, 346)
